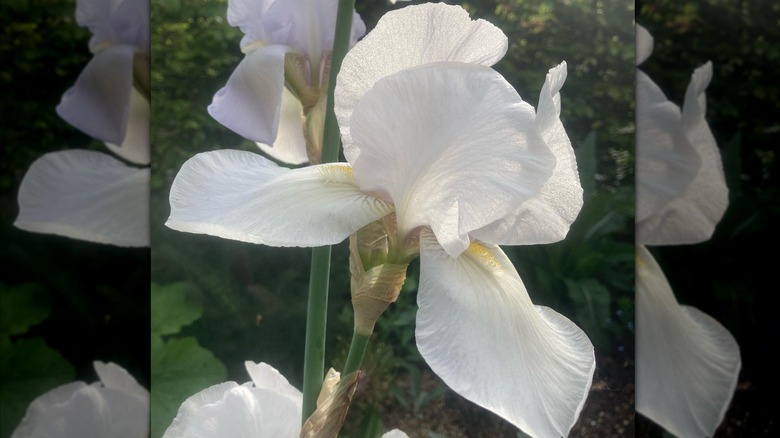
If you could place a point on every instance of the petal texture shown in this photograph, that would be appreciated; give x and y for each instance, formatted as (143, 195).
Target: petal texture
(115, 21)
(479, 331)
(250, 103)
(98, 103)
(546, 217)
(687, 363)
(452, 145)
(408, 37)
(86, 195)
(243, 196)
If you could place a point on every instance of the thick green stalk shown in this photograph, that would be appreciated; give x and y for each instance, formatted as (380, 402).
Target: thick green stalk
(316, 319)
(357, 349)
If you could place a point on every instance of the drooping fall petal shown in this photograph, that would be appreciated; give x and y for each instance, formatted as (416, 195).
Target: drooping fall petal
(687, 363)
(408, 37)
(452, 145)
(242, 196)
(479, 332)
(547, 217)
(86, 195)
(98, 103)
(250, 103)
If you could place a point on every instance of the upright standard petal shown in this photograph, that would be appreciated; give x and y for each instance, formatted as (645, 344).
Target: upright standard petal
(250, 103)
(408, 37)
(98, 103)
(242, 196)
(136, 146)
(290, 144)
(687, 363)
(266, 377)
(681, 190)
(112, 376)
(479, 331)
(644, 44)
(547, 217)
(452, 145)
(86, 195)
(115, 21)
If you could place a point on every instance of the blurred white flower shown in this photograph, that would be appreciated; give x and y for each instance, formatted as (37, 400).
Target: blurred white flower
(448, 146)
(266, 407)
(115, 407)
(88, 195)
(687, 363)
(276, 96)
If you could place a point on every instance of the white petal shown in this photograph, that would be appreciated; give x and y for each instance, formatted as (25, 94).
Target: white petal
(644, 44)
(99, 102)
(86, 195)
(240, 412)
(687, 363)
(242, 196)
(479, 331)
(408, 37)
(136, 145)
(452, 145)
(87, 411)
(268, 378)
(290, 144)
(547, 217)
(395, 433)
(113, 376)
(248, 15)
(250, 102)
(681, 190)
(118, 22)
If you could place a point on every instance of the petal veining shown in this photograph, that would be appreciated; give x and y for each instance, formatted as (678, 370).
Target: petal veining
(479, 331)
(687, 363)
(242, 196)
(452, 145)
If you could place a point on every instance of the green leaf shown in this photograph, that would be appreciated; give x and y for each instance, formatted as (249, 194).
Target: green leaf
(180, 368)
(28, 369)
(171, 310)
(21, 307)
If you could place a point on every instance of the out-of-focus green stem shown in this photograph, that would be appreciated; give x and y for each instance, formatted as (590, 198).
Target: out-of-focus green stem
(357, 349)
(316, 319)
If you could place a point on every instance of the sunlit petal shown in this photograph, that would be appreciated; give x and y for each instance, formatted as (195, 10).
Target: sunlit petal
(409, 37)
(243, 196)
(86, 195)
(290, 144)
(266, 377)
(547, 217)
(249, 104)
(136, 145)
(113, 376)
(98, 103)
(687, 363)
(479, 331)
(437, 138)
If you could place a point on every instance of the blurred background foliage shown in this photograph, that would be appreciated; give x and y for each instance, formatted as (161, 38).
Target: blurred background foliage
(254, 297)
(729, 277)
(70, 302)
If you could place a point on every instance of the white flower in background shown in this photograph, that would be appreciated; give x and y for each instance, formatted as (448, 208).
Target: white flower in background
(687, 363)
(89, 195)
(268, 406)
(115, 407)
(276, 96)
(464, 164)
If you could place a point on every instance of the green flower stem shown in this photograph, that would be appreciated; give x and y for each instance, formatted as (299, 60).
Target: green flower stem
(330, 139)
(316, 318)
(356, 351)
